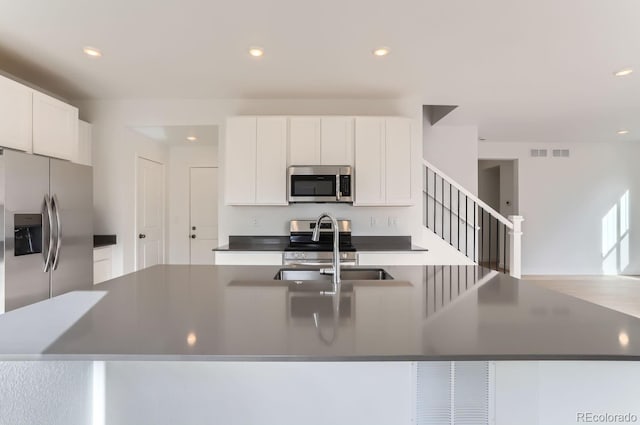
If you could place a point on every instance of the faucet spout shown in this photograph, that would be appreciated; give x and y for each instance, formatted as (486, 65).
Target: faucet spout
(336, 244)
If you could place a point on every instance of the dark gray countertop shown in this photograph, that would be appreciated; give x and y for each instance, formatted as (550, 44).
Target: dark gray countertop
(239, 313)
(280, 243)
(104, 240)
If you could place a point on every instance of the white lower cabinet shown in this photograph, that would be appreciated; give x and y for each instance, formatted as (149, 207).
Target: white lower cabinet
(102, 264)
(393, 258)
(248, 258)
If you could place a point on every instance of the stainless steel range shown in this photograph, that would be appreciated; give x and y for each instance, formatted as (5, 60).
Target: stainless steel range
(304, 251)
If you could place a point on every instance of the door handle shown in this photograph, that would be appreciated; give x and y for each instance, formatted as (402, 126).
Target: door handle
(193, 236)
(142, 236)
(47, 262)
(193, 228)
(56, 258)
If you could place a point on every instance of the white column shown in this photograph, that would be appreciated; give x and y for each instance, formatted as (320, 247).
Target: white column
(515, 246)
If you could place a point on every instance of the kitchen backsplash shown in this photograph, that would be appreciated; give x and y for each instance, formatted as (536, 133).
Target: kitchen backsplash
(275, 220)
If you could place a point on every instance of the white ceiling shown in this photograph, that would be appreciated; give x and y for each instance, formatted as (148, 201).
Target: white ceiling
(522, 70)
(176, 135)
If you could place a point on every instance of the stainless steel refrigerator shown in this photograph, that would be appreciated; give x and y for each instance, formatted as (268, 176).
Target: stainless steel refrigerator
(46, 228)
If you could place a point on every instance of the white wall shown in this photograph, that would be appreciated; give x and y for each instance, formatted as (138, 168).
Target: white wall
(563, 201)
(114, 151)
(181, 159)
(454, 150)
(114, 172)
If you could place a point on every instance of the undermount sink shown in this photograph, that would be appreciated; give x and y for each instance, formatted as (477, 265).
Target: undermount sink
(345, 274)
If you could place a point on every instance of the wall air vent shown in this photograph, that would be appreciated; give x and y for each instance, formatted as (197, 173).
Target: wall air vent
(561, 153)
(538, 153)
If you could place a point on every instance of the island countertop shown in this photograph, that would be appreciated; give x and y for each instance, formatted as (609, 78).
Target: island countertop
(174, 312)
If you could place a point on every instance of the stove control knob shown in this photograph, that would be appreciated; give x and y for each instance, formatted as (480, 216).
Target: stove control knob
(304, 255)
(344, 256)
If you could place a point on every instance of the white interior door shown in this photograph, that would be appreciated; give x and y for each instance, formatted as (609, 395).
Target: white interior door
(204, 214)
(150, 214)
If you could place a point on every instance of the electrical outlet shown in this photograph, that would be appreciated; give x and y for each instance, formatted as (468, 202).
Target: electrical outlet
(253, 221)
(373, 221)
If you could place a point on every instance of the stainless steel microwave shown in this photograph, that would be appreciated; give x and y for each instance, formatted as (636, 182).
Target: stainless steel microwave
(320, 183)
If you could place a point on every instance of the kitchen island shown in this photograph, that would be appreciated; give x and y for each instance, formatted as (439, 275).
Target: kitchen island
(173, 312)
(235, 345)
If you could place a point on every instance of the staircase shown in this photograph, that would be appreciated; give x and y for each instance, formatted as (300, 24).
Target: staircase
(469, 225)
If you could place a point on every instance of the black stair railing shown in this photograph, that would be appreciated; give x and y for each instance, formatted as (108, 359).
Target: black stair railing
(465, 222)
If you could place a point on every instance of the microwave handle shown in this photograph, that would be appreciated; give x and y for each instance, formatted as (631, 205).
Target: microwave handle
(338, 192)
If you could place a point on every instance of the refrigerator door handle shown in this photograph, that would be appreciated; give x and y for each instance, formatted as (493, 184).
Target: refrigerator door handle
(56, 208)
(49, 252)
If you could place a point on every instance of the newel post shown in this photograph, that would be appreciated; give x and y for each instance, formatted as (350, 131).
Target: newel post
(515, 246)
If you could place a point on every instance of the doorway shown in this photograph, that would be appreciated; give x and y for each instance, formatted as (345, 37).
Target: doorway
(203, 214)
(498, 185)
(149, 213)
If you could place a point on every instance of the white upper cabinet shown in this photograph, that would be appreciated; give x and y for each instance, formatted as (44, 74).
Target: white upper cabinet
(55, 127)
(84, 143)
(256, 161)
(398, 161)
(240, 161)
(304, 141)
(336, 141)
(15, 115)
(271, 167)
(369, 164)
(383, 163)
(259, 149)
(321, 140)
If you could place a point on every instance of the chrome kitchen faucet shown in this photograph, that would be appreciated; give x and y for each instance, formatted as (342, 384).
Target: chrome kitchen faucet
(336, 247)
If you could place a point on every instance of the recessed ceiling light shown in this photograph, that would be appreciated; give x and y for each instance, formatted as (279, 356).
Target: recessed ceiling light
(256, 52)
(92, 51)
(381, 51)
(192, 138)
(623, 72)
(623, 132)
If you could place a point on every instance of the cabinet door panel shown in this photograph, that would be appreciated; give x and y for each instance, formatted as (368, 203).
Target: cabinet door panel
(84, 144)
(398, 161)
(55, 127)
(271, 169)
(15, 113)
(304, 141)
(369, 161)
(336, 141)
(240, 161)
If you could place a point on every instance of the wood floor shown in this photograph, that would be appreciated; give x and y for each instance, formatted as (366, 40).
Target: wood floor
(621, 293)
